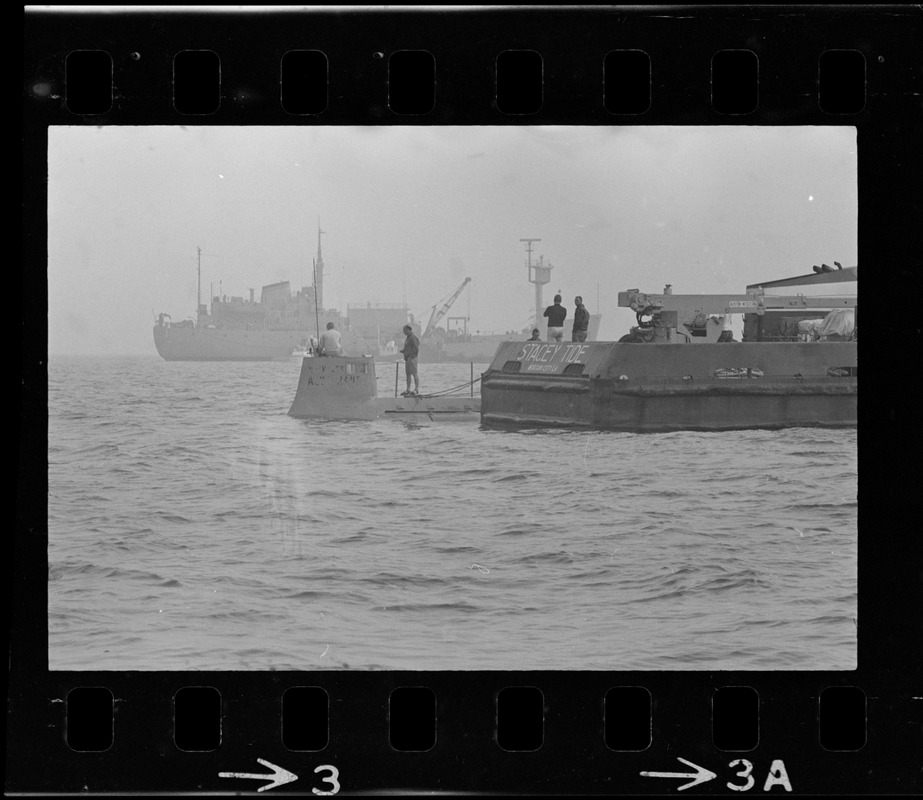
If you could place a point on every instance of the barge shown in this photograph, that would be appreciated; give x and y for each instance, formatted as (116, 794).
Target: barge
(679, 368)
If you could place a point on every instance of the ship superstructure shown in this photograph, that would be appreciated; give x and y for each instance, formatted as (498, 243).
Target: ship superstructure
(246, 329)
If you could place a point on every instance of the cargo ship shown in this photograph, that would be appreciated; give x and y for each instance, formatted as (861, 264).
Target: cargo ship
(680, 367)
(275, 327)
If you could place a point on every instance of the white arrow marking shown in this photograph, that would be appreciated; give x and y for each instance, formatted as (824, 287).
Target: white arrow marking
(700, 775)
(279, 776)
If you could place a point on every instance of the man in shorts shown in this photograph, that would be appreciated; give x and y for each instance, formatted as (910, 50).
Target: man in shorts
(411, 350)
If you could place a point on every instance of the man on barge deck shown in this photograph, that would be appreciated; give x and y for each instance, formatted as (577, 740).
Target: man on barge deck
(581, 321)
(556, 315)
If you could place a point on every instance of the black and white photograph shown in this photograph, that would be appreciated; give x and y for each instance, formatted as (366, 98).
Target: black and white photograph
(452, 398)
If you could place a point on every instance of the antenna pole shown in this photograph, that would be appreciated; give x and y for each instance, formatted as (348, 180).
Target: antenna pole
(539, 278)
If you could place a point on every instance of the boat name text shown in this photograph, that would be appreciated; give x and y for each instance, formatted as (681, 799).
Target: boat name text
(550, 357)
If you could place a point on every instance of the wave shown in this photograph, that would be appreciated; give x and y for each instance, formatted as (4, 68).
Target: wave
(59, 571)
(462, 606)
(844, 504)
(397, 580)
(548, 557)
(517, 531)
(170, 517)
(730, 582)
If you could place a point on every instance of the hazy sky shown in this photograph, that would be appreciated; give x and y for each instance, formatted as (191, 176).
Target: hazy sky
(409, 212)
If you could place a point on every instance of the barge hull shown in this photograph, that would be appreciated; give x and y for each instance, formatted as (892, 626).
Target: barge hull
(668, 412)
(637, 387)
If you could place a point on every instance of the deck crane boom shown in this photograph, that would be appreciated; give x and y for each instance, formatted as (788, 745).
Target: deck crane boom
(436, 316)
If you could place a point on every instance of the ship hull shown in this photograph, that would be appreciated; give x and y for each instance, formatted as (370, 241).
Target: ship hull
(480, 352)
(175, 343)
(210, 344)
(637, 387)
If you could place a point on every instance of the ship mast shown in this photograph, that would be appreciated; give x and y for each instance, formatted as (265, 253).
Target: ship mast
(199, 287)
(319, 272)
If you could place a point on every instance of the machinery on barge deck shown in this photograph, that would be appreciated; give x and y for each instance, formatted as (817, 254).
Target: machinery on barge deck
(680, 367)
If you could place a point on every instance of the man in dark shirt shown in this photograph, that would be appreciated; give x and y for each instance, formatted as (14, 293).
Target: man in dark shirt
(581, 321)
(411, 350)
(556, 315)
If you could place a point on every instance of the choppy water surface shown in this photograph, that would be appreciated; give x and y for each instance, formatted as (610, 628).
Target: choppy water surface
(194, 525)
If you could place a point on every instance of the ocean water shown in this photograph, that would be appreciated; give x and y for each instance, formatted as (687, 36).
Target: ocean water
(192, 524)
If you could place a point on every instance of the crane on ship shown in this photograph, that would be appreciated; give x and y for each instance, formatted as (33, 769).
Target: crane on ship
(436, 316)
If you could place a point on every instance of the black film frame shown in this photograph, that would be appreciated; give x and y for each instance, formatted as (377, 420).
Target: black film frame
(573, 41)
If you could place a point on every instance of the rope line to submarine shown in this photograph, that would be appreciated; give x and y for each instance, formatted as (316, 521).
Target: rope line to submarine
(449, 391)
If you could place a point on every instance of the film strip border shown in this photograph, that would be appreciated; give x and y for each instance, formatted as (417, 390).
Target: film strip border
(558, 734)
(492, 66)
(412, 85)
(519, 733)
